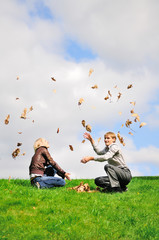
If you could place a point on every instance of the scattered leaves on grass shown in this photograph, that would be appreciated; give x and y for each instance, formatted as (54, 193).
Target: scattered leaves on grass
(6, 121)
(83, 188)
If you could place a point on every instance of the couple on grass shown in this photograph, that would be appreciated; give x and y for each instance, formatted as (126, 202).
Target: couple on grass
(43, 168)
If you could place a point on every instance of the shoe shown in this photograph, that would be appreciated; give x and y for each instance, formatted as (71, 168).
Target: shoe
(37, 185)
(124, 189)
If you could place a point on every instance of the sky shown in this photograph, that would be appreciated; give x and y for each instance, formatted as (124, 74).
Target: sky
(45, 39)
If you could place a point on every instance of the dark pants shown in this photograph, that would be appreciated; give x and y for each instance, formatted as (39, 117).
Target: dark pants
(48, 180)
(116, 177)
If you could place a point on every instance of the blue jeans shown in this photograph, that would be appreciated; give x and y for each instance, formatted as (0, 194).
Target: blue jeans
(48, 180)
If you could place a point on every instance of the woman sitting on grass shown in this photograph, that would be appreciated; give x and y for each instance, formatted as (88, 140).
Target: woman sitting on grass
(43, 168)
(118, 174)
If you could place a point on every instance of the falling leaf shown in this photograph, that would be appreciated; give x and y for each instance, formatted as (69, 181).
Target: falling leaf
(109, 93)
(23, 154)
(128, 123)
(122, 125)
(58, 130)
(115, 86)
(131, 133)
(17, 98)
(83, 141)
(120, 113)
(90, 72)
(88, 128)
(17, 77)
(31, 109)
(106, 98)
(71, 148)
(119, 95)
(137, 118)
(132, 111)
(52, 78)
(129, 86)
(80, 101)
(54, 90)
(120, 139)
(33, 121)
(19, 132)
(99, 139)
(83, 123)
(15, 153)
(95, 86)
(133, 103)
(6, 121)
(142, 124)
(24, 113)
(19, 144)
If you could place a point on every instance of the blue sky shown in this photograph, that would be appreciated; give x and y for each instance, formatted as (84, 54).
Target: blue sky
(41, 39)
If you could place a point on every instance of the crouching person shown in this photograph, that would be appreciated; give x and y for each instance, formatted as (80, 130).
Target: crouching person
(43, 168)
(118, 174)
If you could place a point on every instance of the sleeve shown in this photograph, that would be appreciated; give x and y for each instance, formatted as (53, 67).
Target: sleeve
(110, 153)
(60, 171)
(96, 149)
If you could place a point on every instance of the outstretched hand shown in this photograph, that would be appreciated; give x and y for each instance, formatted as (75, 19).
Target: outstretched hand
(88, 136)
(86, 159)
(67, 175)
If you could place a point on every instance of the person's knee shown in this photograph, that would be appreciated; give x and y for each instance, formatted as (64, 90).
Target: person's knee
(96, 181)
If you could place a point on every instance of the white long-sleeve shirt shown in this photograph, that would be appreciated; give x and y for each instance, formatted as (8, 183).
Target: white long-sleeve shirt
(111, 153)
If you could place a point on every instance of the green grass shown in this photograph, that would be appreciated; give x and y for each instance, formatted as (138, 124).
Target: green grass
(60, 213)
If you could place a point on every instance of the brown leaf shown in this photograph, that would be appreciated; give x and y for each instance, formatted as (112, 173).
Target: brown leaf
(31, 109)
(71, 148)
(81, 100)
(128, 123)
(88, 128)
(120, 113)
(54, 90)
(119, 95)
(133, 103)
(17, 77)
(52, 78)
(24, 113)
(129, 86)
(106, 98)
(109, 93)
(120, 139)
(132, 111)
(142, 124)
(19, 144)
(19, 132)
(83, 141)
(6, 121)
(17, 98)
(83, 123)
(23, 153)
(95, 86)
(90, 72)
(58, 130)
(99, 139)
(122, 125)
(15, 153)
(131, 133)
(137, 118)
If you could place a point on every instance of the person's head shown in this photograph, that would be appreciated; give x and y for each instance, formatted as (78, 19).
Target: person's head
(109, 138)
(40, 142)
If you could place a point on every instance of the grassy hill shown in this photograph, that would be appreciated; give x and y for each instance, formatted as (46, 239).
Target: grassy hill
(28, 213)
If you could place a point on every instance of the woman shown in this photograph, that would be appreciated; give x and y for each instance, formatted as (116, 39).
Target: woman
(43, 168)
